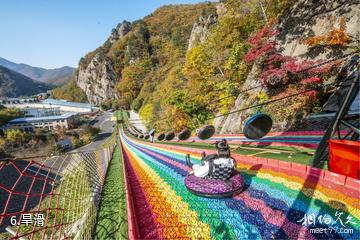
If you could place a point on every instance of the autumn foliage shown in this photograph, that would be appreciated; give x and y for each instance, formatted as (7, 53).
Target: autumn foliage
(278, 70)
(337, 36)
(160, 77)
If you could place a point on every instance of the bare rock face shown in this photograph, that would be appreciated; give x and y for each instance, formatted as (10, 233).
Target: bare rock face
(201, 29)
(313, 18)
(120, 31)
(97, 80)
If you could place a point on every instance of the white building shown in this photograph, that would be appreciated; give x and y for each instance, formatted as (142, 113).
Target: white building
(64, 106)
(41, 112)
(49, 122)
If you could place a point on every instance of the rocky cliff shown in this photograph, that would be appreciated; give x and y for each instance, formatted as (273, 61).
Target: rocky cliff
(201, 29)
(187, 63)
(101, 71)
(120, 31)
(304, 20)
(97, 80)
(96, 75)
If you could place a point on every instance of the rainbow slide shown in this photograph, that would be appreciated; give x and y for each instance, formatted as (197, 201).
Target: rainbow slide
(274, 204)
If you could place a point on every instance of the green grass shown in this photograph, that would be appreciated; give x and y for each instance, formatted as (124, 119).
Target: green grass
(289, 154)
(112, 214)
(121, 115)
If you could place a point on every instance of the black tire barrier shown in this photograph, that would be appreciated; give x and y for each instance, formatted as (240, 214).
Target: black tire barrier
(184, 135)
(169, 136)
(161, 136)
(257, 126)
(147, 136)
(141, 136)
(206, 132)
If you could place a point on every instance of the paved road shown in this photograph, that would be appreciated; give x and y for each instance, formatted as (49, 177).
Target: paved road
(106, 126)
(59, 163)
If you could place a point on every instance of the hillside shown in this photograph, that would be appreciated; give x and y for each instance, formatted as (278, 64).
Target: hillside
(13, 84)
(138, 53)
(57, 76)
(185, 64)
(70, 92)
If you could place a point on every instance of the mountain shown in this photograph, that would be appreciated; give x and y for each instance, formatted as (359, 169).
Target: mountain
(13, 84)
(182, 65)
(57, 76)
(133, 50)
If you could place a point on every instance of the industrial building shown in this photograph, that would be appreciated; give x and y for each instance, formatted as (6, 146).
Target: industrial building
(63, 105)
(66, 106)
(49, 122)
(41, 112)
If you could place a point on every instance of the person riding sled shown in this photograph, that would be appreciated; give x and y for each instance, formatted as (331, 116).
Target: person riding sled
(215, 166)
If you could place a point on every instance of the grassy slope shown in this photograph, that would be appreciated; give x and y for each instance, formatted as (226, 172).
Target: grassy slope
(112, 214)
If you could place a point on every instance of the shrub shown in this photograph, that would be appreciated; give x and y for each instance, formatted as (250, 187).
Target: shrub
(105, 106)
(2, 145)
(77, 142)
(92, 131)
(15, 136)
(57, 150)
(136, 105)
(334, 37)
(86, 138)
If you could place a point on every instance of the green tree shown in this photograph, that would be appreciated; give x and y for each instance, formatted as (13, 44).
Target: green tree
(70, 92)
(15, 136)
(132, 80)
(92, 131)
(136, 105)
(105, 106)
(7, 114)
(2, 145)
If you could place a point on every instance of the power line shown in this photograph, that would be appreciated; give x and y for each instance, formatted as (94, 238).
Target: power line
(278, 99)
(243, 91)
(292, 95)
(268, 102)
(300, 71)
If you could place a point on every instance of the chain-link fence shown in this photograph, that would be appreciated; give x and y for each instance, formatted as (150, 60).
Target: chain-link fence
(54, 199)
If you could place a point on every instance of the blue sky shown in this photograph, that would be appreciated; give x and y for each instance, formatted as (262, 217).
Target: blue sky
(55, 33)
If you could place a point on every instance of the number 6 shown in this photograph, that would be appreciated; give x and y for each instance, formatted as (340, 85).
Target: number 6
(13, 221)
